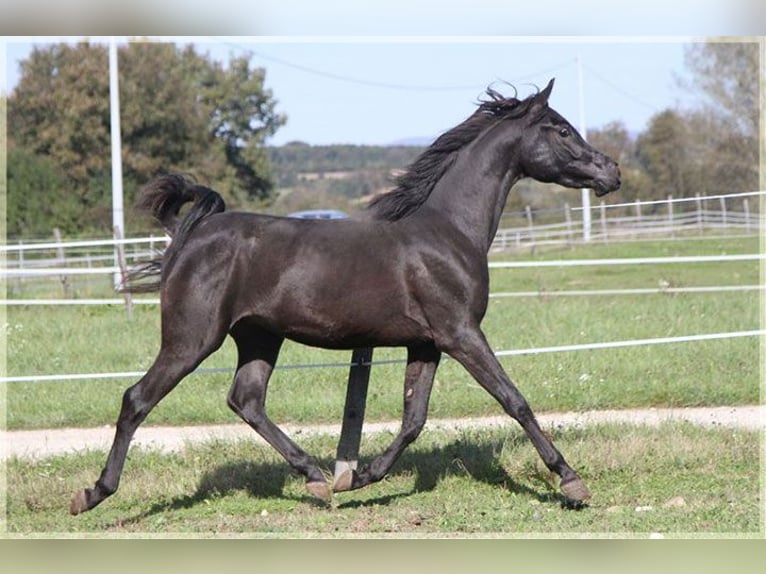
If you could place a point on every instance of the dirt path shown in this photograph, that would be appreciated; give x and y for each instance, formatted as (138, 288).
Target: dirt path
(43, 443)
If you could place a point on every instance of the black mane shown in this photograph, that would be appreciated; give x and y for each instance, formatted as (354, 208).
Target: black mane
(415, 185)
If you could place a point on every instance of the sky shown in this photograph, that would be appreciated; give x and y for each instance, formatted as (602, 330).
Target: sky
(352, 72)
(378, 91)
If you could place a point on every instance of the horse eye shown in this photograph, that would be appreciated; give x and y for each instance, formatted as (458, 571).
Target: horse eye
(564, 132)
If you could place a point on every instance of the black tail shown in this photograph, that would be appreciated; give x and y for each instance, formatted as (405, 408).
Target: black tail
(164, 197)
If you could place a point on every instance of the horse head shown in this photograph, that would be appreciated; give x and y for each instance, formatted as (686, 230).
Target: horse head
(552, 151)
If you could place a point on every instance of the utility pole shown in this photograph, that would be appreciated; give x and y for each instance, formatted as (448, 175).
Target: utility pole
(118, 217)
(586, 219)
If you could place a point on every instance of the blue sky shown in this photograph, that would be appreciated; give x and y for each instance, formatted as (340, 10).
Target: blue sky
(365, 90)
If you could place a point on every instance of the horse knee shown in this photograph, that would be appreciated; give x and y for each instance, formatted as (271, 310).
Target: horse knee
(134, 408)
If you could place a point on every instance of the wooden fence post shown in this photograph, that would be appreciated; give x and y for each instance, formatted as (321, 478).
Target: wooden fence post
(602, 209)
(120, 250)
(568, 219)
(61, 256)
(347, 455)
(20, 280)
(670, 216)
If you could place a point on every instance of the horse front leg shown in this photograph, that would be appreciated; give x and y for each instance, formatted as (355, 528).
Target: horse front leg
(470, 348)
(422, 361)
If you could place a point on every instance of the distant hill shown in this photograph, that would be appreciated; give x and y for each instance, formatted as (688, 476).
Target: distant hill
(413, 141)
(300, 163)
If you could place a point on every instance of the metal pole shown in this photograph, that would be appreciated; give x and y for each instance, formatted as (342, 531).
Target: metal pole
(118, 218)
(586, 215)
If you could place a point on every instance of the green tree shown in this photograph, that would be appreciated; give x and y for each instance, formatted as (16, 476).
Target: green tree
(37, 195)
(163, 124)
(615, 141)
(60, 110)
(179, 111)
(243, 118)
(663, 154)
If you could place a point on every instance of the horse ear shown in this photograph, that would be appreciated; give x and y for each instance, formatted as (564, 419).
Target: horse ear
(539, 103)
(542, 97)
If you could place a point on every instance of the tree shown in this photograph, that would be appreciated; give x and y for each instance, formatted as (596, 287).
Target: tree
(616, 142)
(663, 154)
(728, 75)
(179, 111)
(725, 130)
(243, 118)
(37, 195)
(60, 111)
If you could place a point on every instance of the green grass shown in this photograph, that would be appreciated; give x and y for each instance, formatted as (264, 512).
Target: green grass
(676, 480)
(103, 339)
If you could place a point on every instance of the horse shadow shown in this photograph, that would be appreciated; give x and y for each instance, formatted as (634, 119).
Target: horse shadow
(478, 459)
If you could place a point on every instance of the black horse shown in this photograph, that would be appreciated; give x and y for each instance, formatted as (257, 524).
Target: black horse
(412, 272)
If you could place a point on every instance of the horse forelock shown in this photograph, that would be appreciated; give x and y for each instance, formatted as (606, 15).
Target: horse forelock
(414, 186)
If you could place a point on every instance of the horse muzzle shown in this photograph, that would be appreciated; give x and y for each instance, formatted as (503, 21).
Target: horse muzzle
(608, 180)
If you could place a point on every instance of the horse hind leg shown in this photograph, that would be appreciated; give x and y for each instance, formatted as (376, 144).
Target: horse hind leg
(167, 371)
(422, 361)
(258, 351)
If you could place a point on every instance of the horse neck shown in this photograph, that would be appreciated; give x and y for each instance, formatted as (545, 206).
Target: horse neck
(472, 193)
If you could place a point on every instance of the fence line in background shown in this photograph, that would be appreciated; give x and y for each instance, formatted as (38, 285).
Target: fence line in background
(110, 243)
(567, 228)
(628, 261)
(696, 198)
(631, 220)
(52, 302)
(637, 291)
(506, 353)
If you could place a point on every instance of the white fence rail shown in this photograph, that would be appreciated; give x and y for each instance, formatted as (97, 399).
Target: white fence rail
(32, 260)
(636, 220)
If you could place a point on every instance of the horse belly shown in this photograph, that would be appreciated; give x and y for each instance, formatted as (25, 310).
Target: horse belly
(351, 321)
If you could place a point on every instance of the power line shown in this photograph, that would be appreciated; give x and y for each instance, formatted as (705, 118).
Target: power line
(619, 89)
(362, 81)
(388, 85)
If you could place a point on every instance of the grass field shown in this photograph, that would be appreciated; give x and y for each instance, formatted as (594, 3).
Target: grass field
(675, 480)
(103, 339)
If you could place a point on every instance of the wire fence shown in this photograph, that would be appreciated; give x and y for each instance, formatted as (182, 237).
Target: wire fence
(346, 365)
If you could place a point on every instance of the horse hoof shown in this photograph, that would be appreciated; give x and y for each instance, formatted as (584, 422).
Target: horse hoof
(79, 503)
(345, 481)
(575, 490)
(319, 490)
